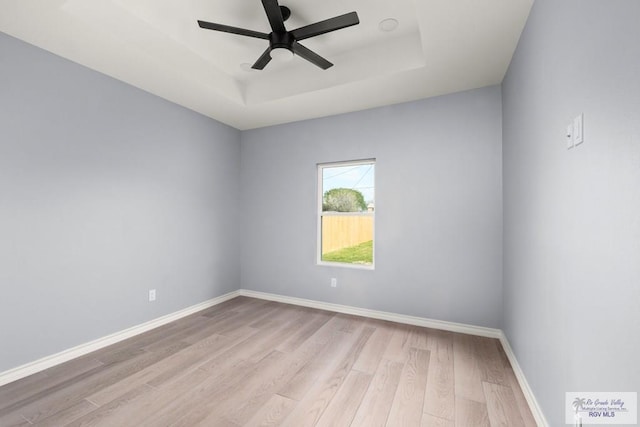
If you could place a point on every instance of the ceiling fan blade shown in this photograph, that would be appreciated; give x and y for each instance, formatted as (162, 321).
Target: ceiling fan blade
(233, 30)
(274, 14)
(264, 59)
(311, 56)
(326, 26)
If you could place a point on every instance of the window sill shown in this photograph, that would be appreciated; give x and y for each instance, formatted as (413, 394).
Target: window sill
(346, 265)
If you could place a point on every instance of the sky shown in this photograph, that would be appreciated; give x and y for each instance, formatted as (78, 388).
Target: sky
(357, 177)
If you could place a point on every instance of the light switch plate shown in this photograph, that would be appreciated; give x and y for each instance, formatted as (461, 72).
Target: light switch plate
(578, 130)
(569, 136)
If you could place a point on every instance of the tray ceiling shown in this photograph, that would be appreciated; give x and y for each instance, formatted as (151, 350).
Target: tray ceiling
(439, 47)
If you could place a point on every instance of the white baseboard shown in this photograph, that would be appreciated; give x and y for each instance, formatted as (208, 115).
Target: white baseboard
(381, 315)
(72, 353)
(536, 410)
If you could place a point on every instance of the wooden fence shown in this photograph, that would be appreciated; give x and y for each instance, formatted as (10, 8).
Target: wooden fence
(343, 231)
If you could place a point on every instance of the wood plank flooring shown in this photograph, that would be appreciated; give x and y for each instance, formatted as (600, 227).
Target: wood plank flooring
(250, 362)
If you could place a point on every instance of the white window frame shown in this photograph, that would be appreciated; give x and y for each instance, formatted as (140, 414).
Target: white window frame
(320, 214)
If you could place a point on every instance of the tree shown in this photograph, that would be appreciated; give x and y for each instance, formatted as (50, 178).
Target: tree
(343, 200)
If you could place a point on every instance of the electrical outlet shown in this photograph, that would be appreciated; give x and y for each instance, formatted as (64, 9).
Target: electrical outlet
(334, 282)
(152, 295)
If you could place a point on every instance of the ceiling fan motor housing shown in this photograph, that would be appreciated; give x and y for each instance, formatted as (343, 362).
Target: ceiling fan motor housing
(281, 40)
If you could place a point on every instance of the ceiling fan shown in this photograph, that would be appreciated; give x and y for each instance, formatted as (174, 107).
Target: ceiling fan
(283, 43)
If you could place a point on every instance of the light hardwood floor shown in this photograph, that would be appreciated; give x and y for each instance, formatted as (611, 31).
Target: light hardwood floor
(249, 362)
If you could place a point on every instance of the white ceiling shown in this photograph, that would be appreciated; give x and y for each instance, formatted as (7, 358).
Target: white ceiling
(440, 46)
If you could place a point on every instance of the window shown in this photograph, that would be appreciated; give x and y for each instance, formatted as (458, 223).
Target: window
(346, 212)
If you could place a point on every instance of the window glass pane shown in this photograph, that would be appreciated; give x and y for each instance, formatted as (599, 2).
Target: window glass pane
(347, 239)
(348, 188)
(347, 213)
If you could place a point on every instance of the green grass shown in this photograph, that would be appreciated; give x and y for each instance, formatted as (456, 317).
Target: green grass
(359, 254)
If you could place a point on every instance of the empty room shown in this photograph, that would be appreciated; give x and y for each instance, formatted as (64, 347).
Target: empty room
(297, 213)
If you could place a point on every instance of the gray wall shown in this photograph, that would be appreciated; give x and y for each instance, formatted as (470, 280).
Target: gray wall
(572, 217)
(105, 192)
(438, 208)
